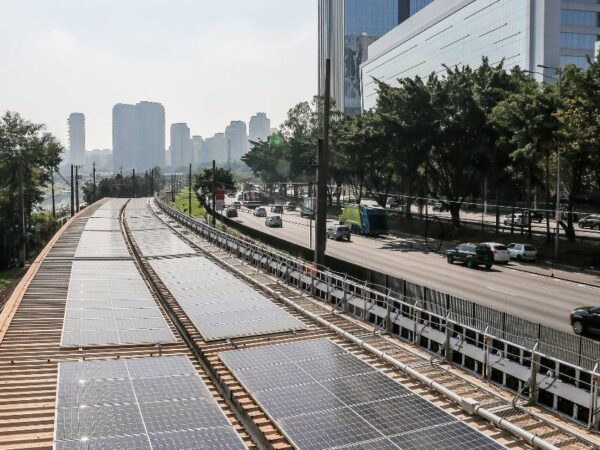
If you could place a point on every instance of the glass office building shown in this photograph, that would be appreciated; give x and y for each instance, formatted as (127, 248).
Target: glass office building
(346, 29)
(453, 33)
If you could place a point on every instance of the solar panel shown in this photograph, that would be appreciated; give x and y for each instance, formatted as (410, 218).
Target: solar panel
(321, 396)
(452, 436)
(208, 439)
(110, 443)
(140, 403)
(220, 305)
(101, 244)
(108, 303)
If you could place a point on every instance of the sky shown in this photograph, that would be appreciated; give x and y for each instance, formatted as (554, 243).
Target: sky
(207, 61)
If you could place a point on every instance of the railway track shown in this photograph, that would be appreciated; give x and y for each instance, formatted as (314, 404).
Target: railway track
(30, 351)
(488, 396)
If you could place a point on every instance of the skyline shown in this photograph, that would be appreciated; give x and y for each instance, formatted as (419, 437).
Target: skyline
(87, 57)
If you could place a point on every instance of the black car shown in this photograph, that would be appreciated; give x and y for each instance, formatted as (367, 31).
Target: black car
(472, 255)
(592, 222)
(586, 318)
(231, 212)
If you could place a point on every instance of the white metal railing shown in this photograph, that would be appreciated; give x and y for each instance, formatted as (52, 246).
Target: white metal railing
(470, 344)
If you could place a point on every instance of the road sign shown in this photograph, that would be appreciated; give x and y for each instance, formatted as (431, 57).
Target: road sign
(219, 199)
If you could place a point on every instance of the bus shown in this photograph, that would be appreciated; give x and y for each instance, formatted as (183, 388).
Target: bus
(365, 220)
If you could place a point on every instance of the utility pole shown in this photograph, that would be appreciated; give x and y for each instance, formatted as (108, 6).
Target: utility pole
(23, 228)
(322, 174)
(94, 179)
(214, 202)
(77, 187)
(133, 183)
(52, 188)
(152, 182)
(72, 193)
(190, 191)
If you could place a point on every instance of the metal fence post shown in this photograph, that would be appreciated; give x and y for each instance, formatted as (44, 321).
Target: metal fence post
(448, 335)
(535, 359)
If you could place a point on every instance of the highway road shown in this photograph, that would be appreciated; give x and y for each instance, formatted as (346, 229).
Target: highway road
(534, 297)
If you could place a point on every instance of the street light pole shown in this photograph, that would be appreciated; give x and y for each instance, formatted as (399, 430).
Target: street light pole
(558, 214)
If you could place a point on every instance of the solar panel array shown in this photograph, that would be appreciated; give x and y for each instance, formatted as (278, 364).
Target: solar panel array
(220, 305)
(141, 403)
(101, 236)
(322, 396)
(151, 235)
(109, 303)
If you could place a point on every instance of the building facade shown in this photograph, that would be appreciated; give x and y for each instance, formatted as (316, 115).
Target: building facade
(259, 127)
(181, 146)
(236, 141)
(123, 137)
(346, 29)
(198, 151)
(455, 33)
(76, 139)
(150, 135)
(216, 149)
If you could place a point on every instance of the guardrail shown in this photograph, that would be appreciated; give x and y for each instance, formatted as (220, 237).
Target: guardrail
(548, 367)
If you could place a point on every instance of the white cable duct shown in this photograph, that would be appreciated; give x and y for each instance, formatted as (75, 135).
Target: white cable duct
(467, 404)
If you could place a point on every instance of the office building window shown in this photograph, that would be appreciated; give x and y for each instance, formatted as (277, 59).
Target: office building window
(579, 61)
(578, 41)
(416, 5)
(579, 18)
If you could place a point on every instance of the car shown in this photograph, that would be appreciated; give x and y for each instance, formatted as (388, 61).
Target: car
(517, 220)
(395, 205)
(585, 319)
(338, 232)
(472, 255)
(522, 252)
(592, 222)
(259, 212)
(231, 212)
(290, 206)
(278, 209)
(500, 252)
(236, 205)
(537, 216)
(273, 221)
(439, 207)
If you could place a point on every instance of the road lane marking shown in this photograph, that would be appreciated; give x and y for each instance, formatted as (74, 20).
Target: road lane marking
(503, 292)
(546, 288)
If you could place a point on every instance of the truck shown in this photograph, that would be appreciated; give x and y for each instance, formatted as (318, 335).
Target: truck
(309, 207)
(366, 220)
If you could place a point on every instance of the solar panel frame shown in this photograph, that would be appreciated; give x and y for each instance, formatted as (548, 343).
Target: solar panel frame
(139, 403)
(374, 409)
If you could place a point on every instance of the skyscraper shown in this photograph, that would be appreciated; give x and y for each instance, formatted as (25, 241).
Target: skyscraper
(181, 145)
(215, 148)
(236, 140)
(150, 135)
(346, 29)
(77, 139)
(198, 151)
(123, 137)
(259, 127)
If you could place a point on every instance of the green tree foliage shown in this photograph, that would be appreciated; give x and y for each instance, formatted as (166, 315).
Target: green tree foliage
(28, 156)
(223, 179)
(451, 134)
(125, 186)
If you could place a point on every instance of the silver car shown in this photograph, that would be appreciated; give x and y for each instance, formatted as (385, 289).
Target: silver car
(273, 221)
(501, 253)
(338, 232)
(522, 252)
(260, 212)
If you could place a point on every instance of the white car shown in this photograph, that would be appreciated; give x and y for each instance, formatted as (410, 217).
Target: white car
(517, 220)
(522, 252)
(501, 253)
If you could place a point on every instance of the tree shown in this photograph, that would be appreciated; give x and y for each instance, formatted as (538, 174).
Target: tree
(223, 179)
(27, 157)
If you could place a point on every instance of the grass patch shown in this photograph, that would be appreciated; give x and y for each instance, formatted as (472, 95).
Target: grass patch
(8, 276)
(182, 203)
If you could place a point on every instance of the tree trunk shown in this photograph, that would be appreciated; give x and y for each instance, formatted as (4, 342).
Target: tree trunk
(455, 213)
